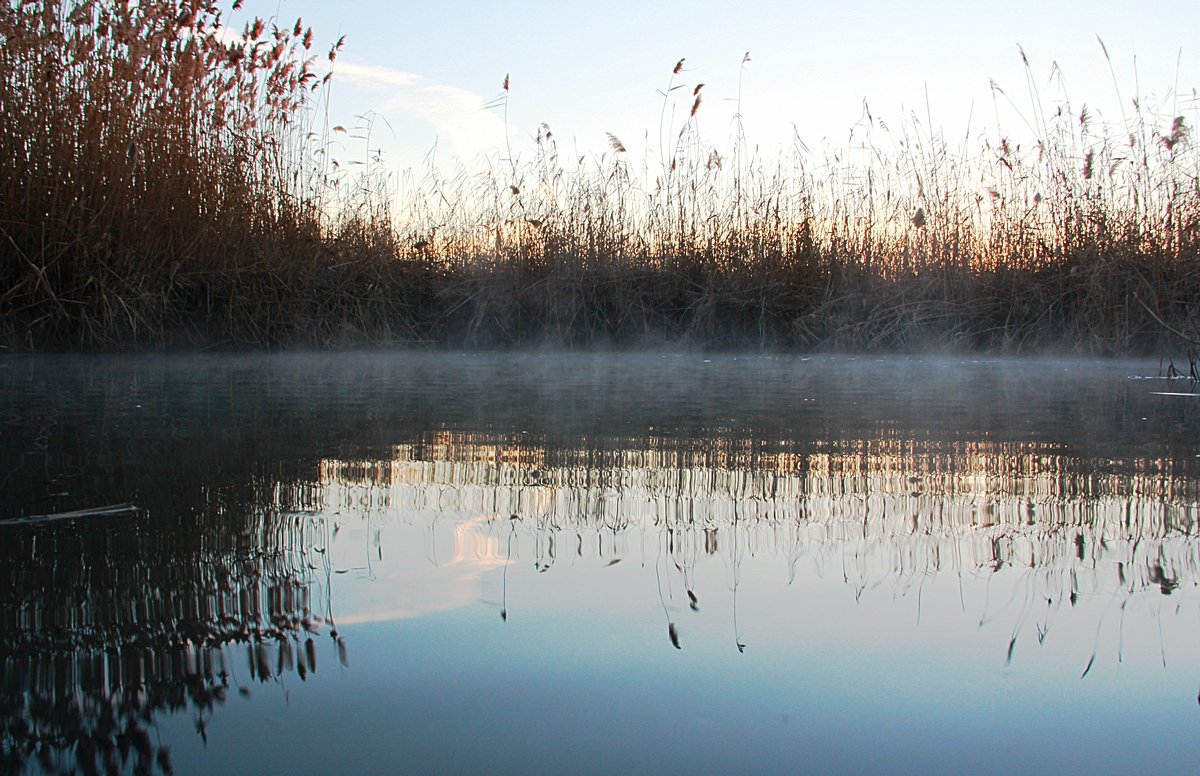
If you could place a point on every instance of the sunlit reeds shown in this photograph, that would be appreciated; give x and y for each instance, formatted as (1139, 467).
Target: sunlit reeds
(168, 184)
(146, 145)
(1083, 236)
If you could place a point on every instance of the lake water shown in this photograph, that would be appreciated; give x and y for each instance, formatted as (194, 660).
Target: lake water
(549, 563)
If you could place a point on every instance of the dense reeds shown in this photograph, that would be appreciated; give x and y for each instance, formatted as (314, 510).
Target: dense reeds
(1080, 238)
(154, 169)
(167, 187)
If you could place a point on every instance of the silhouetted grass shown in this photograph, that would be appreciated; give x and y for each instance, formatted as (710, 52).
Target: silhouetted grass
(1085, 238)
(167, 186)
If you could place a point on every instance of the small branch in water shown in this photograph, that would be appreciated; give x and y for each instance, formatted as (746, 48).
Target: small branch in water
(112, 510)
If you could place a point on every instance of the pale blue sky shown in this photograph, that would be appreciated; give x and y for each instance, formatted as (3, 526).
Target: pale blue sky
(586, 69)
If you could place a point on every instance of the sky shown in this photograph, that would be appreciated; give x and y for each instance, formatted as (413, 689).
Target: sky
(420, 75)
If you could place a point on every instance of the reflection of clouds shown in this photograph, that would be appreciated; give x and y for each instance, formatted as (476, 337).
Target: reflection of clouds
(458, 114)
(418, 589)
(472, 549)
(948, 487)
(885, 508)
(1018, 537)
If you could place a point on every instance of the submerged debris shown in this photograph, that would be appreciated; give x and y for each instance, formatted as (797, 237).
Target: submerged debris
(112, 510)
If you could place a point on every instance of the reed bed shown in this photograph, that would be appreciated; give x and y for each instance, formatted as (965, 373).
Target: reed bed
(169, 187)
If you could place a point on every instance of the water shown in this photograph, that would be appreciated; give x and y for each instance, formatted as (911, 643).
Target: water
(545, 563)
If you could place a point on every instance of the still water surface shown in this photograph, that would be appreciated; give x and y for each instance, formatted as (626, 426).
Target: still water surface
(537, 563)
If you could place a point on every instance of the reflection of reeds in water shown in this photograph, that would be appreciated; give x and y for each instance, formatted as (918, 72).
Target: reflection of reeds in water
(887, 510)
(104, 626)
(896, 506)
(62, 590)
(94, 709)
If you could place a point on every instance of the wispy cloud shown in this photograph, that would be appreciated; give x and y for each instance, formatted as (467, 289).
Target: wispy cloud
(377, 76)
(457, 115)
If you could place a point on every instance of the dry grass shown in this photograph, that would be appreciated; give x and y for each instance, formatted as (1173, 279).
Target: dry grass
(147, 161)
(1082, 237)
(169, 188)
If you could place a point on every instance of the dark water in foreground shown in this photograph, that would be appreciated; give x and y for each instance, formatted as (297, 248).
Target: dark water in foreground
(551, 564)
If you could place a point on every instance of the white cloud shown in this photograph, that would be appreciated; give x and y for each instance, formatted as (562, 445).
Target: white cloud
(458, 115)
(380, 76)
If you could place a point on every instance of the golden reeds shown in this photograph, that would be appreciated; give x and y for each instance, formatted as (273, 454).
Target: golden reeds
(1046, 242)
(166, 186)
(143, 151)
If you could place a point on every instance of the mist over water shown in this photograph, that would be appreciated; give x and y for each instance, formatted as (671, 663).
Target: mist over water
(587, 562)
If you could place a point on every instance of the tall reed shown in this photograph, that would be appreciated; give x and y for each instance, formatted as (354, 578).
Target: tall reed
(1080, 236)
(167, 186)
(144, 145)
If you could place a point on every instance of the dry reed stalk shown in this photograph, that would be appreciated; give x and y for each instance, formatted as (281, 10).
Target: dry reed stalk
(167, 187)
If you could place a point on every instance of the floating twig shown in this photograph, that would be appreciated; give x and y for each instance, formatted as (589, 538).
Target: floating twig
(112, 510)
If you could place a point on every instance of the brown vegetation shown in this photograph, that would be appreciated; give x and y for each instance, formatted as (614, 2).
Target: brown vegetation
(166, 187)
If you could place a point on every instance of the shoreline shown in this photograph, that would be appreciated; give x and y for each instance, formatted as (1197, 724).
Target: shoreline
(392, 302)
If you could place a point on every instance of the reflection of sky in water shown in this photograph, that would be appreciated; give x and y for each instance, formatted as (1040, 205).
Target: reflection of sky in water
(877, 593)
(968, 568)
(428, 571)
(880, 516)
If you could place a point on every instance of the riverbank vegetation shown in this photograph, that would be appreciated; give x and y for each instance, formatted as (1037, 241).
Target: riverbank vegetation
(167, 186)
